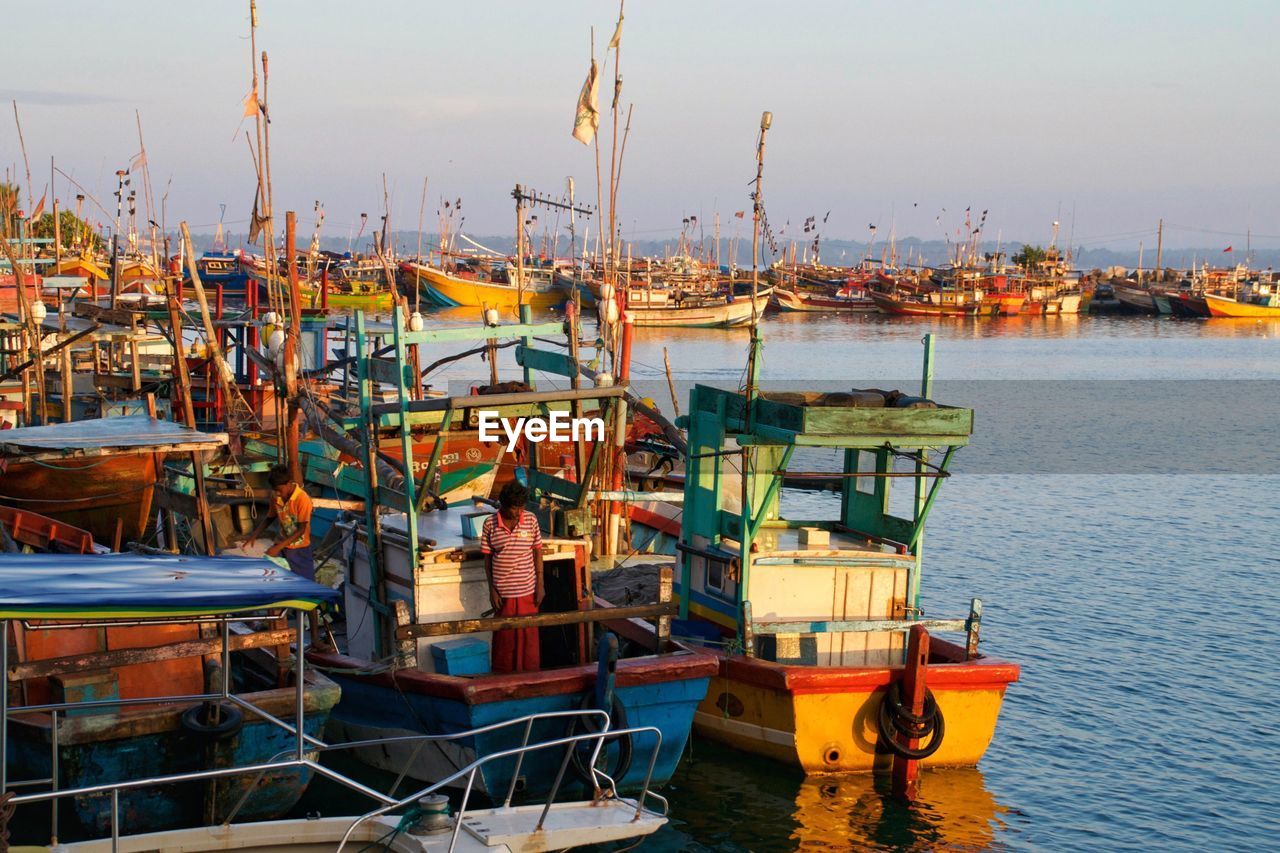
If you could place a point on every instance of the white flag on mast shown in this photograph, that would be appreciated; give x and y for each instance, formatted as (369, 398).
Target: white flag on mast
(587, 120)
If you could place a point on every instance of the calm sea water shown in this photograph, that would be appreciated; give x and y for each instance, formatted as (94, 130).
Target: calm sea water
(1141, 607)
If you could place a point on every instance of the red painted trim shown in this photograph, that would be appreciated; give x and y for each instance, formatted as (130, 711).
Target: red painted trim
(661, 523)
(479, 690)
(947, 670)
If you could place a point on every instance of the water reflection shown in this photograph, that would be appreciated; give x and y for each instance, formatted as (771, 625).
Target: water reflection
(727, 801)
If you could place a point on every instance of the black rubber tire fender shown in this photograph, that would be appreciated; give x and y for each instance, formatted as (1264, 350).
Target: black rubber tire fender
(889, 731)
(195, 720)
(588, 724)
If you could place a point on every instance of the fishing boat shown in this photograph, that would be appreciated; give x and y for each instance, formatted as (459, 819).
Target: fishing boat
(1187, 303)
(1260, 300)
(108, 684)
(466, 288)
(936, 303)
(809, 620)
(727, 306)
(1136, 299)
(220, 268)
(421, 822)
(844, 299)
(418, 639)
(99, 474)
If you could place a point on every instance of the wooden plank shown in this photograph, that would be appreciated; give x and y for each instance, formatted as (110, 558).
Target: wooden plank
(539, 620)
(555, 363)
(125, 657)
(799, 626)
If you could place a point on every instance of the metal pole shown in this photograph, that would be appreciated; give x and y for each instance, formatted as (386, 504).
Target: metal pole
(226, 658)
(524, 743)
(4, 708)
(115, 820)
(300, 688)
(53, 804)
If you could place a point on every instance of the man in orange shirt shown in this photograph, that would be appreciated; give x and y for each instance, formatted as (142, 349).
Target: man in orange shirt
(291, 508)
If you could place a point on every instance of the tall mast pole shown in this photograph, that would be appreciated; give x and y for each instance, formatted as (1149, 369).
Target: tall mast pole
(1159, 249)
(757, 210)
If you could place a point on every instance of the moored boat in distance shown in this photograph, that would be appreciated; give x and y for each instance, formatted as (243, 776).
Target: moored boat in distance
(1260, 300)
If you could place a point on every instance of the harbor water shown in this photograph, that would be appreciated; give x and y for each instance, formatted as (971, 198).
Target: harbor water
(1140, 605)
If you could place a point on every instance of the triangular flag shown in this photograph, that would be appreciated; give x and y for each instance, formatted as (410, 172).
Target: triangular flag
(39, 207)
(617, 33)
(251, 103)
(587, 120)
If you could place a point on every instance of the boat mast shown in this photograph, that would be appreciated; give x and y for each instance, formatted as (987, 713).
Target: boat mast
(757, 211)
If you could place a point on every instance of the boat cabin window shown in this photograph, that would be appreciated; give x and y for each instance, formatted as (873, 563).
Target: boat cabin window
(715, 575)
(866, 462)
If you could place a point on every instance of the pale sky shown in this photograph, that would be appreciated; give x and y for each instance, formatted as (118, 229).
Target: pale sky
(1122, 111)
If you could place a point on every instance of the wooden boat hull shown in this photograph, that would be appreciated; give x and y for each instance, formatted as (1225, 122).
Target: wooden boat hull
(791, 300)
(1188, 305)
(1221, 306)
(662, 691)
(823, 719)
(90, 494)
(143, 741)
(724, 314)
(911, 308)
(1135, 299)
(453, 292)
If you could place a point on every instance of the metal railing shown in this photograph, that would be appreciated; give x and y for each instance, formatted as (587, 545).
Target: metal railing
(304, 745)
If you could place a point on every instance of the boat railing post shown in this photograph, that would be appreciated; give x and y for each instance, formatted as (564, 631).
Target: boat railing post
(748, 631)
(972, 627)
(53, 777)
(226, 658)
(4, 707)
(648, 777)
(515, 774)
(564, 765)
(300, 688)
(115, 820)
(462, 808)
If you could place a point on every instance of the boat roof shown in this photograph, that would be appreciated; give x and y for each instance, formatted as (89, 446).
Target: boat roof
(106, 437)
(109, 586)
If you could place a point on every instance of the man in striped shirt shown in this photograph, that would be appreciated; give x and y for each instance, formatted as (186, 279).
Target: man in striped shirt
(512, 546)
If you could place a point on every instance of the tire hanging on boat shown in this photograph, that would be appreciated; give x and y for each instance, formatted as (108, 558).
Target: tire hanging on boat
(580, 753)
(196, 720)
(895, 720)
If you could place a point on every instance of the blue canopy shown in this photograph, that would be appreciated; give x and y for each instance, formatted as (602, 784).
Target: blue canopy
(108, 586)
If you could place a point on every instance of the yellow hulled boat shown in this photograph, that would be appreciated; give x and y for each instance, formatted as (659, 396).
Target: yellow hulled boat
(810, 620)
(1261, 303)
(454, 291)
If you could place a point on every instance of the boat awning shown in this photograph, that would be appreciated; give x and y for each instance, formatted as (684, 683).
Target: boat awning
(111, 586)
(105, 437)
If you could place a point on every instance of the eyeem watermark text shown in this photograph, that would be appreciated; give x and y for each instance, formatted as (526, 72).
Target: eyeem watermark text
(557, 426)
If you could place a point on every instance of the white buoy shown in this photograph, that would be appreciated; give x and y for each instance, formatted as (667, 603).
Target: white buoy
(608, 312)
(604, 379)
(491, 316)
(606, 292)
(270, 318)
(275, 342)
(39, 311)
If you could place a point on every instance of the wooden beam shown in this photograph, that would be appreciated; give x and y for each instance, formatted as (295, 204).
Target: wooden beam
(539, 620)
(147, 654)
